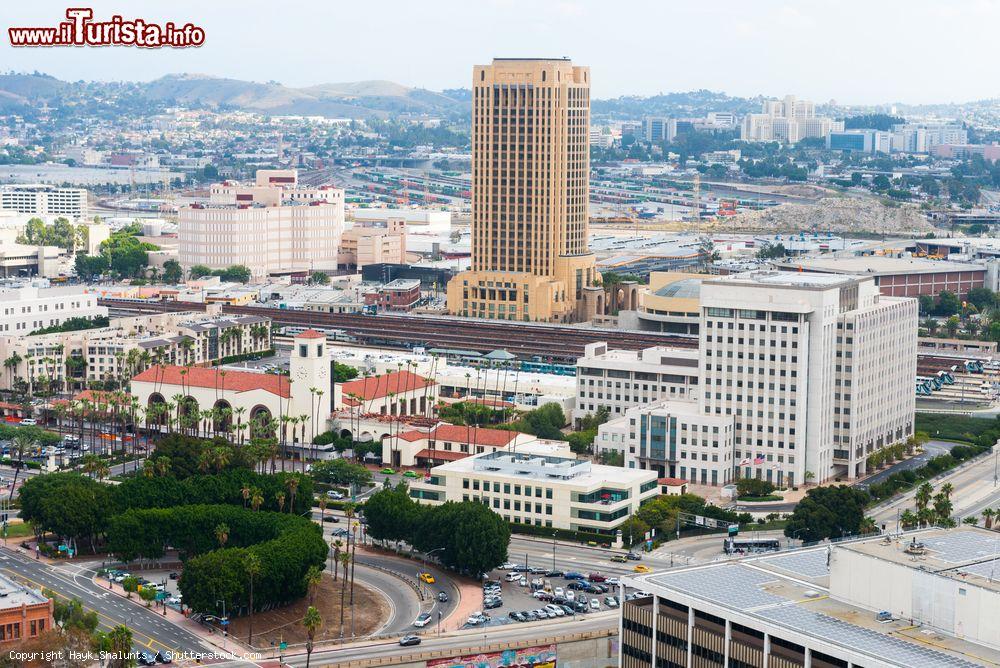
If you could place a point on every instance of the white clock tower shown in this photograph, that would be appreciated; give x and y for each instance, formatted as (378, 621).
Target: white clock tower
(309, 367)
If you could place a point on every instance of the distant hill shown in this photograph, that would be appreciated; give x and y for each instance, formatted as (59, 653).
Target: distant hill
(360, 99)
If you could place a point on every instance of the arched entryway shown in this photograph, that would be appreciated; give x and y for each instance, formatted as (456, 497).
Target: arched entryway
(156, 411)
(260, 422)
(222, 417)
(188, 414)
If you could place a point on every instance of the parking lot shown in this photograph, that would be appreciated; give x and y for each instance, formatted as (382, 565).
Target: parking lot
(517, 593)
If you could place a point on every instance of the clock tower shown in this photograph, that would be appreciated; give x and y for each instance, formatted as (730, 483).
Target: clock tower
(309, 367)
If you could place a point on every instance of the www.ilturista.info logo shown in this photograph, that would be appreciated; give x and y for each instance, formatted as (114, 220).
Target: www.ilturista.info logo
(81, 30)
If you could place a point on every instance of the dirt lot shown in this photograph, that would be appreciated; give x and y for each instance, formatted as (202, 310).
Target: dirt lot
(369, 608)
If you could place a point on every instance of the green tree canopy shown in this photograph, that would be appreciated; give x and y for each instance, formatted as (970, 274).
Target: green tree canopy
(828, 512)
(341, 472)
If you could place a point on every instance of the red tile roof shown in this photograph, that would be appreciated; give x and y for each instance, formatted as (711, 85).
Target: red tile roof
(101, 397)
(443, 455)
(460, 434)
(310, 334)
(377, 387)
(672, 482)
(234, 381)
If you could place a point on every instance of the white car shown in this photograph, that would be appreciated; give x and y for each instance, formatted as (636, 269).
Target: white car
(422, 620)
(335, 495)
(570, 595)
(556, 609)
(508, 566)
(513, 577)
(559, 592)
(595, 604)
(174, 600)
(523, 582)
(29, 422)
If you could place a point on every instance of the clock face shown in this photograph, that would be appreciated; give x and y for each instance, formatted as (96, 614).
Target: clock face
(323, 372)
(301, 373)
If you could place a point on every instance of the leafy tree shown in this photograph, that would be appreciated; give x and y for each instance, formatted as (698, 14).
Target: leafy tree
(881, 182)
(341, 472)
(147, 594)
(391, 514)
(238, 273)
(828, 512)
(753, 487)
(319, 278)
(199, 271)
(172, 272)
(89, 267)
(981, 298)
(130, 585)
(633, 531)
(772, 252)
(948, 303)
(926, 304)
(474, 538)
(342, 372)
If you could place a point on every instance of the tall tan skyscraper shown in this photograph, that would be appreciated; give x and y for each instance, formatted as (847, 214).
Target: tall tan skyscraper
(530, 194)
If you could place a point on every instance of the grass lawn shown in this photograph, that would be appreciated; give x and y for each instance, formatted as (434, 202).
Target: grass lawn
(758, 499)
(19, 530)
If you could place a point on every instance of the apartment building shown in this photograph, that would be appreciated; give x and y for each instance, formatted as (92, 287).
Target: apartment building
(402, 294)
(923, 137)
(617, 380)
(537, 486)
(895, 601)
(659, 129)
(273, 226)
(530, 195)
(44, 200)
(810, 373)
(25, 309)
(84, 357)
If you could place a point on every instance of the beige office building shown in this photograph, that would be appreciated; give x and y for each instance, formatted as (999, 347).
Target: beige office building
(273, 226)
(530, 192)
(373, 242)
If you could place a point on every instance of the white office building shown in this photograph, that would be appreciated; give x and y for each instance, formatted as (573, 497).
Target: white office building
(44, 200)
(620, 379)
(539, 485)
(787, 121)
(25, 309)
(922, 137)
(812, 373)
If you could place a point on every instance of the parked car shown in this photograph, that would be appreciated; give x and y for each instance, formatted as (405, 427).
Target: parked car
(542, 595)
(387, 471)
(596, 577)
(145, 658)
(335, 495)
(595, 604)
(537, 570)
(568, 610)
(409, 640)
(508, 566)
(513, 576)
(581, 605)
(554, 574)
(558, 591)
(556, 609)
(174, 575)
(611, 601)
(29, 422)
(423, 619)
(531, 615)
(570, 596)
(523, 582)
(573, 575)
(410, 474)
(492, 603)
(443, 597)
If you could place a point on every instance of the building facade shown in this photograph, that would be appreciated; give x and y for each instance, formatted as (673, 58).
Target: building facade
(25, 309)
(373, 242)
(787, 121)
(273, 226)
(899, 276)
(617, 380)
(541, 488)
(801, 377)
(44, 200)
(24, 612)
(530, 195)
(401, 294)
(441, 443)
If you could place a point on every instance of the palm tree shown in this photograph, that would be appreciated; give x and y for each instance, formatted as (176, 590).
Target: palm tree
(313, 578)
(222, 534)
(322, 510)
(345, 560)
(23, 442)
(293, 487)
(245, 491)
(923, 495)
(947, 489)
(256, 499)
(252, 566)
(120, 641)
(337, 544)
(908, 519)
(988, 515)
(280, 498)
(868, 526)
(312, 622)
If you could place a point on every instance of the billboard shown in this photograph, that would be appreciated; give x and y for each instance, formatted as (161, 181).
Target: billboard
(543, 656)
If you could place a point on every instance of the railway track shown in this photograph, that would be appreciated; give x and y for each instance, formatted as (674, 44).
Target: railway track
(525, 340)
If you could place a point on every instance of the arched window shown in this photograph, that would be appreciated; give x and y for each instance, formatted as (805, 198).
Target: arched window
(543, 75)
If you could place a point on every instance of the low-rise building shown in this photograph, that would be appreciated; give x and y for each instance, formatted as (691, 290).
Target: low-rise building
(537, 486)
(25, 309)
(394, 393)
(442, 442)
(25, 613)
(373, 242)
(896, 601)
(44, 199)
(401, 294)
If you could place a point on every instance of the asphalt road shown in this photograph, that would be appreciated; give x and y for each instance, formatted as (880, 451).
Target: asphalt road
(931, 449)
(73, 580)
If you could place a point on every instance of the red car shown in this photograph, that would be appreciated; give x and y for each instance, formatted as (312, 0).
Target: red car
(596, 577)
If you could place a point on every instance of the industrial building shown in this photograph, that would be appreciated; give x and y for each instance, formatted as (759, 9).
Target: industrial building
(898, 276)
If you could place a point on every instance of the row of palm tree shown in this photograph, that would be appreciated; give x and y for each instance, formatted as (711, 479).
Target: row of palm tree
(930, 508)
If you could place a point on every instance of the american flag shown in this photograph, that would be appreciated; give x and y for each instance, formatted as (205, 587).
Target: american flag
(759, 459)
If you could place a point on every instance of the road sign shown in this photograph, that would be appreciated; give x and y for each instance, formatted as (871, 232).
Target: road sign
(224, 622)
(282, 645)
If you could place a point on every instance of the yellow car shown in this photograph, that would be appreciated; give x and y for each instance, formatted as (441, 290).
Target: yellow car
(427, 578)
(642, 569)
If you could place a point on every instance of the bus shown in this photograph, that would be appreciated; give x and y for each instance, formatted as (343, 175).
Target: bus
(750, 546)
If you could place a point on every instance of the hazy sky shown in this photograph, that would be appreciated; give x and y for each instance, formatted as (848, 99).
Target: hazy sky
(853, 51)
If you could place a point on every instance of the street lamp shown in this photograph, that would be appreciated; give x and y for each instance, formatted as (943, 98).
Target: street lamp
(554, 550)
